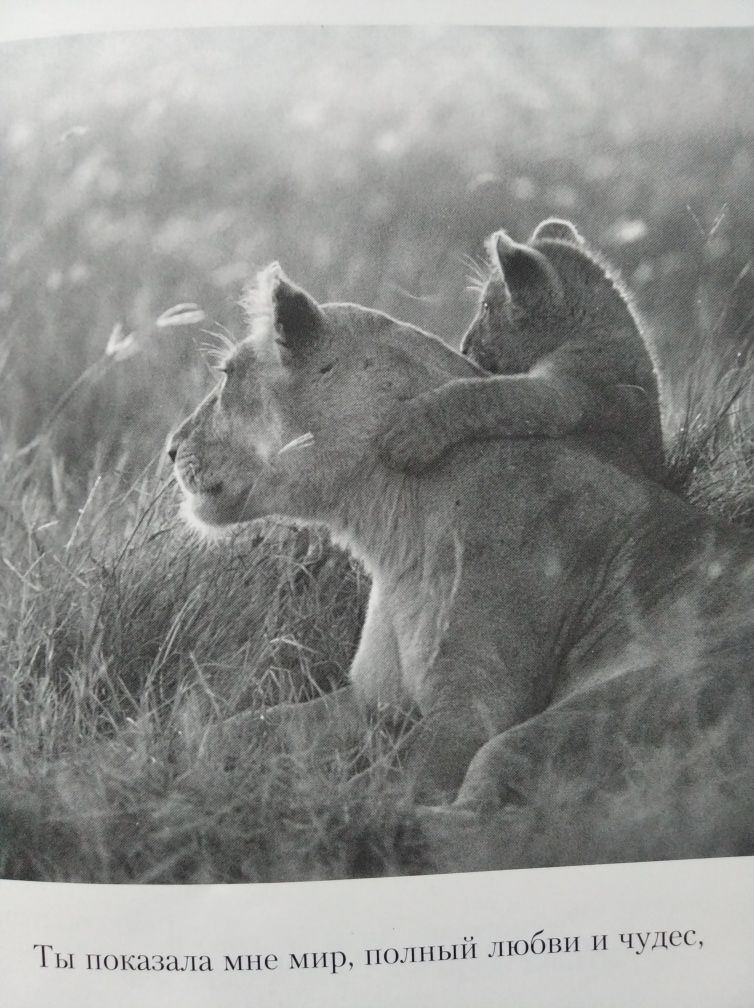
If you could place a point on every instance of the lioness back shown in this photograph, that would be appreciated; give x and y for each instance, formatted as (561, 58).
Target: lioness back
(568, 355)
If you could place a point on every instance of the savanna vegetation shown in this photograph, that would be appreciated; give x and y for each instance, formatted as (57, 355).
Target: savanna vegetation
(144, 179)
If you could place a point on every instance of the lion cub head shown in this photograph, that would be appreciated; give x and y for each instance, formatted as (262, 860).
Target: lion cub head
(539, 295)
(291, 425)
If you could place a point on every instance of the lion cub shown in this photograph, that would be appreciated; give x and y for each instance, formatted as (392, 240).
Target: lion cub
(565, 352)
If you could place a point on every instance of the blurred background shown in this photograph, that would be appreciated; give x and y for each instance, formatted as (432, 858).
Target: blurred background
(139, 171)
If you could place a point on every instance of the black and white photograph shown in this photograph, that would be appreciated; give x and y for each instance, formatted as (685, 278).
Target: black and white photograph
(377, 451)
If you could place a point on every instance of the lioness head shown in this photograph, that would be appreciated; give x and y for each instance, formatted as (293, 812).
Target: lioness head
(301, 398)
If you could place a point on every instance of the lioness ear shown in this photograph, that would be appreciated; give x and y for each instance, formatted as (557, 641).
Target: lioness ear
(527, 274)
(296, 316)
(562, 230)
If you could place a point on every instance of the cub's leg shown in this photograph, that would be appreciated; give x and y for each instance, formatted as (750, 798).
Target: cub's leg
(536, 404)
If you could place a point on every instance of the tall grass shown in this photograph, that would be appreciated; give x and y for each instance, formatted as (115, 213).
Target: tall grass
(143, 172)
(128, 642)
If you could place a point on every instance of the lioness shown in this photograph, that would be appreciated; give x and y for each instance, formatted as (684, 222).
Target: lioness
(566, 350)
(531, 596)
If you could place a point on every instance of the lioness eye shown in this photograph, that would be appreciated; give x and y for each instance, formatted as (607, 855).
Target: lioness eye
(485, 307)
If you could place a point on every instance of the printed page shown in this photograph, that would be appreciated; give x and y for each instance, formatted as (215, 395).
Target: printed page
(376, 500)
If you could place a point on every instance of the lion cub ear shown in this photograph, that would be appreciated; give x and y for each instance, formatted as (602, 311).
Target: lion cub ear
(297, 318)
(527, 274)
(562, 230)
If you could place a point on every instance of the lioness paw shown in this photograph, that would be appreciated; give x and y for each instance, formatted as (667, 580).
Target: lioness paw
(411, 442)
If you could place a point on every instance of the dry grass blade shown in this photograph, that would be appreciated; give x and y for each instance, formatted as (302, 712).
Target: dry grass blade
(187, 314)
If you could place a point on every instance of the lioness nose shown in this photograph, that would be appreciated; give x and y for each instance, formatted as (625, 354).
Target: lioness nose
(172, 448)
